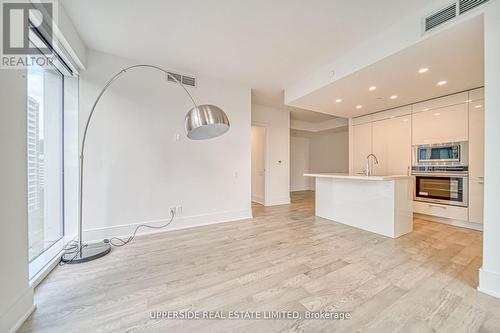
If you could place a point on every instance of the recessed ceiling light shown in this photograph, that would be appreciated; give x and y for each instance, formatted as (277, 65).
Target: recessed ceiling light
(338, 100)
(359, 106)
(441, 83)
(394, 97)
(423, 70)
(372, 88)
(478, 106)
(437, 114)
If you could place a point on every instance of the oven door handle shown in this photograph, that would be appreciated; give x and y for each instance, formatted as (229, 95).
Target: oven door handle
(434, 174)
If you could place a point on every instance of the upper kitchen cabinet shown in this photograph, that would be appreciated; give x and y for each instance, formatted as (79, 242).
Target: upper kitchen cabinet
(476, 94)
(391, 145)
(362, 145)
(441, 120)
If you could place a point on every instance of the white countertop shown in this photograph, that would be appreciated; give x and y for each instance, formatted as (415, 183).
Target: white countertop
(354, 176)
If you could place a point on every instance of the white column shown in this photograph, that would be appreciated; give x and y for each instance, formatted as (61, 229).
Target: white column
(489, 274)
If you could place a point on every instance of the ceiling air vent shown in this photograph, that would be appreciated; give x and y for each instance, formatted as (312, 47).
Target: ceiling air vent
(189, 81)
(184, 79)
(177, 77)
(440, 17)
(466, 5)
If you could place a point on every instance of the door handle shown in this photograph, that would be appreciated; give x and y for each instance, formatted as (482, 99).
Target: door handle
(480, 182)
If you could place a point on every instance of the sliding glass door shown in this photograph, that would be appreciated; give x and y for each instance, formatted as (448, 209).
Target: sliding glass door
(45, 164)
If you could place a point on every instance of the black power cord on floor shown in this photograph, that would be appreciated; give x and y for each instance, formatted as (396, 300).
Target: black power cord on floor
(73, 246)
(128, 240)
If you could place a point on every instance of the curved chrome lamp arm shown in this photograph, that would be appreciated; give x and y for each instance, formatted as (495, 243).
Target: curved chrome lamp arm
(106, 86)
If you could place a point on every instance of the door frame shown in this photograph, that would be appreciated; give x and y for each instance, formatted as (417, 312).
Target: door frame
(266, 161)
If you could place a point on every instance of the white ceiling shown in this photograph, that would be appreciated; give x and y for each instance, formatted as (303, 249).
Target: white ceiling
(309, 116)
(455, 55)
(262, 44)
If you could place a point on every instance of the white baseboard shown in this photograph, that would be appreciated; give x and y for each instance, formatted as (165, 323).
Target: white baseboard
(301, 189)
(258, 199)
(278, 201)
(489, 283)
(18, 312)
(456, 223)
(181, 222)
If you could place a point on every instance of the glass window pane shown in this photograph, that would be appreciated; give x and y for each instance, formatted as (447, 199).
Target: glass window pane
(45, 159)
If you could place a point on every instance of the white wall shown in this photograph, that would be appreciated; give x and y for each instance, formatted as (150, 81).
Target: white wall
(259, 164)
(489, 275)
(299, 164)
(134, 168)
(16, 296)
(330, 153)
(318, 152)
(277, 123)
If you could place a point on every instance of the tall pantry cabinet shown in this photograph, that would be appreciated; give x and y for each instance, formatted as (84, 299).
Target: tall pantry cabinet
(476, 155)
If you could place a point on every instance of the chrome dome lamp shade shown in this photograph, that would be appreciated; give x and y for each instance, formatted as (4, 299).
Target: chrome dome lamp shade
(206, 121)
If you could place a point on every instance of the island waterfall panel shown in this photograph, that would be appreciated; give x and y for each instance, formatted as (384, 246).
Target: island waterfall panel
(379, 204)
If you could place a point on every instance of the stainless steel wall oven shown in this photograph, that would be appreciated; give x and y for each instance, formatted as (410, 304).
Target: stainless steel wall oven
(441, 173)
(442, 188)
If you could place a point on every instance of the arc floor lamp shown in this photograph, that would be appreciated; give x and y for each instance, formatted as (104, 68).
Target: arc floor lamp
(202, 122)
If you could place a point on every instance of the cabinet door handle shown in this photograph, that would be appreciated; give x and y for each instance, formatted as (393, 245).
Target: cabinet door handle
(443, 207)
(480, 182)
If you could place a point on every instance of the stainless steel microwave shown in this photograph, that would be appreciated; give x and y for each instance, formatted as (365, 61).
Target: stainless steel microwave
(446, 154)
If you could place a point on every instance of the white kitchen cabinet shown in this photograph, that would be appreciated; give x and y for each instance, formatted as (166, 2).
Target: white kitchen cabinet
(476, 200)
(362, 145)
(439, 125)
(476, 161)
(362, 120)
(476, 94)
(392, 145)
(442, 102)
(392, 113)
(445, 211)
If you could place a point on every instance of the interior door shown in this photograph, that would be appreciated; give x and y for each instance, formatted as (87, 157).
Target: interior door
(258, 164)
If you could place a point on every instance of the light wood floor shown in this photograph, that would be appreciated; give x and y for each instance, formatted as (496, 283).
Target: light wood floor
(283, 259)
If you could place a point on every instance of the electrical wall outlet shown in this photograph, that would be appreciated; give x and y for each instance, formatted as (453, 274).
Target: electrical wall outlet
(177, 210)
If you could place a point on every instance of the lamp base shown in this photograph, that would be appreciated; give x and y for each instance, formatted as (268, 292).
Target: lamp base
(88, 252)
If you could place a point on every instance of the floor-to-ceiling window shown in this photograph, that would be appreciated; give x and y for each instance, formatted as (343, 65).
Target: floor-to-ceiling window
(44, 158)
(45, 164)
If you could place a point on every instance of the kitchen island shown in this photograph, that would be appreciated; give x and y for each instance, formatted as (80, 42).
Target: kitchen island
(380, 204)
